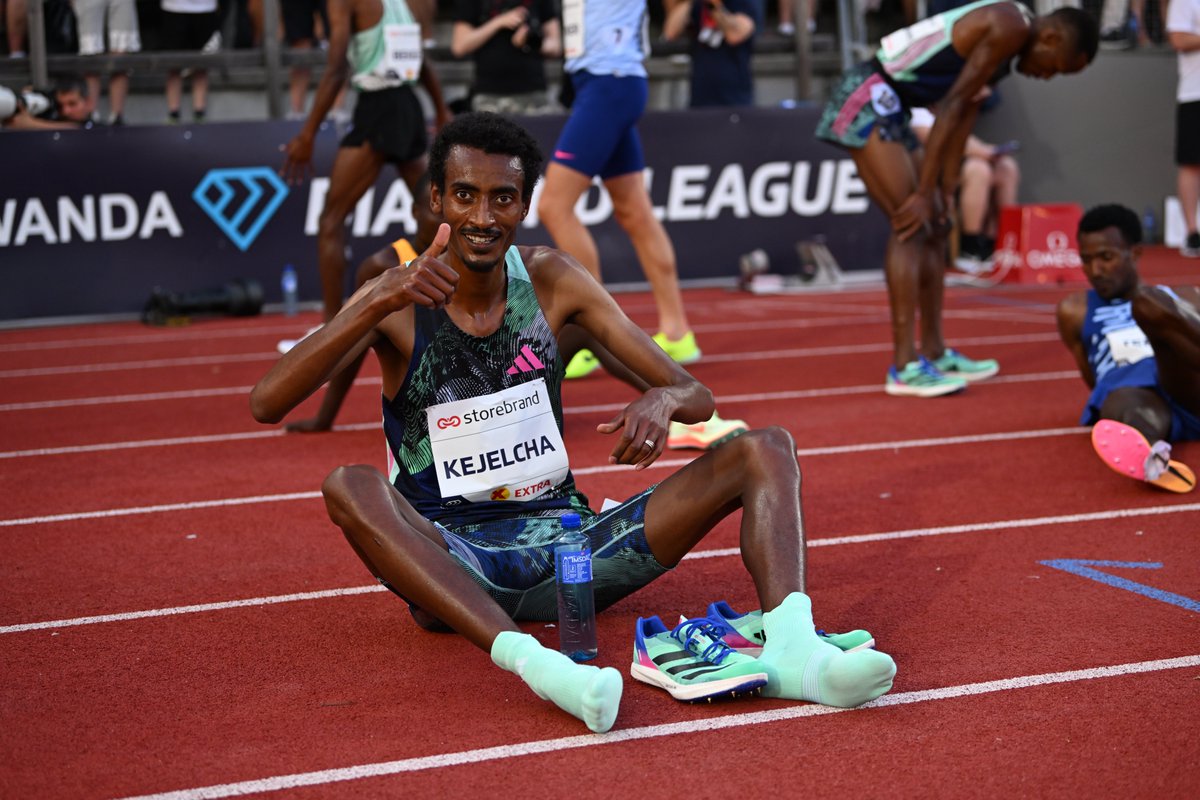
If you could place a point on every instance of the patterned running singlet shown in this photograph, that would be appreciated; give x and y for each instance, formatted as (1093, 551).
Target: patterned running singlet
(449, 365)
(920, 61)
(387, 54)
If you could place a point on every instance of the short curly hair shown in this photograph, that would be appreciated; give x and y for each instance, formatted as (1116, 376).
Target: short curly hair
(493, 134)
(1112, 215)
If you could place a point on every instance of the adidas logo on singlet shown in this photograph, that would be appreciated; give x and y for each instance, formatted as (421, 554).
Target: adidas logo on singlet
(526, 362)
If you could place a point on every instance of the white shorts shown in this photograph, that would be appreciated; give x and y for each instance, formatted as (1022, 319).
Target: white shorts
(123, 35)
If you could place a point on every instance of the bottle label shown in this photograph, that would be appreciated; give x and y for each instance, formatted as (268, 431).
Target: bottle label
(574, 566)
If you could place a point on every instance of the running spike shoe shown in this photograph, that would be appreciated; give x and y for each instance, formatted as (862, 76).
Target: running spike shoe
(691, 662)
(744, 632)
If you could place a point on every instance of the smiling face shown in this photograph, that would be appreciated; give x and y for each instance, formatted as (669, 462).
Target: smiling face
(483, 205)
(1109, 262)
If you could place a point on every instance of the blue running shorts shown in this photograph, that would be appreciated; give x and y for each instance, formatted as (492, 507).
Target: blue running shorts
(513, 559)
(600, 137)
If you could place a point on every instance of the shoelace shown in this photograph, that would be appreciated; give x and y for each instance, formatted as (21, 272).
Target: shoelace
(689, 631)
(928, 369)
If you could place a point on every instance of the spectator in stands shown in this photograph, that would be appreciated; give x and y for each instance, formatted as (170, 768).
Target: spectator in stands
(191, 25)
(123, 37)
(787, 13)
(721, 33)
(300, 33)
(16, 13)
(68, 105)
(509, 41)
(988, 180)
(1183, 32)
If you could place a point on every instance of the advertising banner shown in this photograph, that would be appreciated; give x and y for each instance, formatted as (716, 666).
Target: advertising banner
(92, 221)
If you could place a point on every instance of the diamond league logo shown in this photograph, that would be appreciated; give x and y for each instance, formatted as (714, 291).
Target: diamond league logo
(241, 200)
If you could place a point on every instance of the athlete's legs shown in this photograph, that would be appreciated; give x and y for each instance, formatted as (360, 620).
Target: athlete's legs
(888, 171)
(354, 170)
(758, 473)
(973, 192)
(561, 189)
(406, 550)
(1006, 185)
(1173, 328)
(1188, 186)
(934, 252)
(633, 211)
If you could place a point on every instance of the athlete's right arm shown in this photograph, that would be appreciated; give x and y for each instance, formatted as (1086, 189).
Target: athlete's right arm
(306, 367)
(1070, 313)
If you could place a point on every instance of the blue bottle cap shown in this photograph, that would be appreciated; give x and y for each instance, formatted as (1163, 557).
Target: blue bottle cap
(571, 520)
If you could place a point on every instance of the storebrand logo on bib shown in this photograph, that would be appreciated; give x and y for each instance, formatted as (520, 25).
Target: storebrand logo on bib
(448, 422)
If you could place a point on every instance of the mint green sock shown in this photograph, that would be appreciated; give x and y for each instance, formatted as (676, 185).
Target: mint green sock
(589, 693)
(800, 666)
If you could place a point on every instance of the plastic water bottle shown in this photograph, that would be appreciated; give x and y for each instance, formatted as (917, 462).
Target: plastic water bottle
(576, 606)
(1148, 226)
(291, 291)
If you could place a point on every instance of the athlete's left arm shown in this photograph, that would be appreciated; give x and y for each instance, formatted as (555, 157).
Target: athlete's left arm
(987, 38)
(570, 295)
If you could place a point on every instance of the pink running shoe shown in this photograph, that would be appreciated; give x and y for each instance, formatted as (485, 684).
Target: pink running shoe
(1124, 449)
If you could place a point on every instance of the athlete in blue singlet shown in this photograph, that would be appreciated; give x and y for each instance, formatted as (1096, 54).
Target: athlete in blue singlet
(950, 59)
(1137, 347)
(604, 43)
(463, 526)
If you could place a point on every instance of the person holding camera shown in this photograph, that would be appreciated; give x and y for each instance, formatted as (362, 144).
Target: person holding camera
(67, 106)
(509, 41)
(722, 45)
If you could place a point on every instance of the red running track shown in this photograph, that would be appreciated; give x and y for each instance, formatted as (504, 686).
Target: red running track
(176, 611)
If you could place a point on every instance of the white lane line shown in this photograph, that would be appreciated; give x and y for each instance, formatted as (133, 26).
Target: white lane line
(190, 394)
(379, 769)
(873, 347)
(249, 602)
(599, 469)
(218, 438)
(159, 509)
(215, 438)
(151, 363)
(188, 337)
(832, 541)
(148, 397)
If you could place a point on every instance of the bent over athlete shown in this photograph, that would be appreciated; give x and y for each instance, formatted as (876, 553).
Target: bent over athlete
(463, 525)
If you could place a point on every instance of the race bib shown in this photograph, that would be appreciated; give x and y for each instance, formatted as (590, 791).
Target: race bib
(503, 446)
(894, 44)
(1128, 345)
(402, 56)
(572, 20)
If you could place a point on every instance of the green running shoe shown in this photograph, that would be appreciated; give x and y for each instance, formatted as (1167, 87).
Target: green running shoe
(681, 351)
(691, 662)
(582, 363)
(956, 365)
(921, 378)
(745, 634)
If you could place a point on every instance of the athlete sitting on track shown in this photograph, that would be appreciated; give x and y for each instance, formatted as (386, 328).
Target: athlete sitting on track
(1138, 349)
(469, 327)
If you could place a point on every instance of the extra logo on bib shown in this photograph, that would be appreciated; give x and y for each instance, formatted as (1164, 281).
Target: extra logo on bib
(503, 446)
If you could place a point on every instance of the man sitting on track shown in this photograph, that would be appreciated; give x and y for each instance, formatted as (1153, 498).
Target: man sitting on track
(470, 327)
(1138, 348)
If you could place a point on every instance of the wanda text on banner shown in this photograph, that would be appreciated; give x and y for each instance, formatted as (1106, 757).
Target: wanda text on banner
(113, 213)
